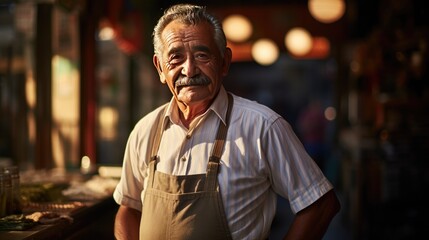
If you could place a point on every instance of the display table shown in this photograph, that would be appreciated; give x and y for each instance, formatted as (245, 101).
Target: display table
(89, 218)
(92, 221)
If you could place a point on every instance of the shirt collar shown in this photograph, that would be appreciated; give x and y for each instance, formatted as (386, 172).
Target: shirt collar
(219, 107)
(220, 104)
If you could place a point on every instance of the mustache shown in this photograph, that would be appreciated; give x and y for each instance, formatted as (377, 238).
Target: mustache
(188, 81)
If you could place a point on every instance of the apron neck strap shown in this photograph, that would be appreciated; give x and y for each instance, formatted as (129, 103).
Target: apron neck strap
(158, 134)
(221, 134)
(213, 164)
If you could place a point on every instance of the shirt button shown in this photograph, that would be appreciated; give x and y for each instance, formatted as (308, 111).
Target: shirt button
(183, 159)
(188, 136)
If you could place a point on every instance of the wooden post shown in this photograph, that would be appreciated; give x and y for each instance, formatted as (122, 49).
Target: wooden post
(43, 73)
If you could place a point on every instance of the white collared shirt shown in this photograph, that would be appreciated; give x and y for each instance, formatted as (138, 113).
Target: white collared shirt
(262, 157)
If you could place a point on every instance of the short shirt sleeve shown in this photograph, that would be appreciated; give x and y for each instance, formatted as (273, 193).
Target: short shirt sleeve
(294, 174)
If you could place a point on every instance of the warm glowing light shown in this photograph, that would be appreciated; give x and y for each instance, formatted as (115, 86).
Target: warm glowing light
(326, 11)
(330, 113)
(85, 162)
(106, 34)
(321, 47)
(65, 90)
(298, 41)
(237, 28)
(265, 51)
(30, 91)
(108, 118)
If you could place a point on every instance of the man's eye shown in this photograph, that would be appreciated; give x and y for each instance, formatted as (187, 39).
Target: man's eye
(176, 58)
(202, 57)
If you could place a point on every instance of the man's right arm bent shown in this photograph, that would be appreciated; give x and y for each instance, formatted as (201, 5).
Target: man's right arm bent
(127, 223)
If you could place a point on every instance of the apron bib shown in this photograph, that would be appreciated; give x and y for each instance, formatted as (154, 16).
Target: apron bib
(185, 207)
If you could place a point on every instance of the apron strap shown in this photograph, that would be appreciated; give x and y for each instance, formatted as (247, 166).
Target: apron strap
(221, 134)
(214, 160)
(159, 129)
(157, 139)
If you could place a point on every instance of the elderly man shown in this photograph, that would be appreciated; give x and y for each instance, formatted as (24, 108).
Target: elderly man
(210, 164)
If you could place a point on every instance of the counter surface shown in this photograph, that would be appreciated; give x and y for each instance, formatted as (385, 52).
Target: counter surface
(93, 220)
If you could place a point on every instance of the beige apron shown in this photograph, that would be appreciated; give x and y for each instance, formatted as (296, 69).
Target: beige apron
(185, 207)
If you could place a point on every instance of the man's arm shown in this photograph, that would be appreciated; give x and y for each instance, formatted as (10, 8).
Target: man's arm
(313, 221)
(127, 223)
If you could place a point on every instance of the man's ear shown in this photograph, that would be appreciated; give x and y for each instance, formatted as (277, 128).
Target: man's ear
(226, 61)
(157, 64)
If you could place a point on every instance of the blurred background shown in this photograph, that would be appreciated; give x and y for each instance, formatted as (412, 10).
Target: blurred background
(350, 76)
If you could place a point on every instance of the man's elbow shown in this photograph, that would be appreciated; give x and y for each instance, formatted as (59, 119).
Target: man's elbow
(332, 204)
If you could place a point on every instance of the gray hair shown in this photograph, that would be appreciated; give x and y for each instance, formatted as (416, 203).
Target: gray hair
(191, 15)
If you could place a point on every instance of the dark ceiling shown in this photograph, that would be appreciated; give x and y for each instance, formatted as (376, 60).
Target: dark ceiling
(217, 3)
(362, 15)
(365, 12)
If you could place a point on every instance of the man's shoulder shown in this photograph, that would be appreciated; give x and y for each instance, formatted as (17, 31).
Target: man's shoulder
(151, 118)
(245, 107)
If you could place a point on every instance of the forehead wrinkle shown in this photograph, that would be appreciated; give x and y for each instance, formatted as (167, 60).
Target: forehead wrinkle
(176, 39)
(175, 50)
(202, 48)
(197, 48)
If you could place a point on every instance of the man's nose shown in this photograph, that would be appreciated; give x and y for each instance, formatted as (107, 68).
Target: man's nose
(189, 67)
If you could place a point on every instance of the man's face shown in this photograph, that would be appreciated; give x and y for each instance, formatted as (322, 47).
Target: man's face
(191, 64)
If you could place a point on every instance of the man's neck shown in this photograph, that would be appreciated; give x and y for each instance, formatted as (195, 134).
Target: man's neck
(187, 114)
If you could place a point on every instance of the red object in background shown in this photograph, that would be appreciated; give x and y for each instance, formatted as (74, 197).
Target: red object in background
(127, 25)
(128, 33)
